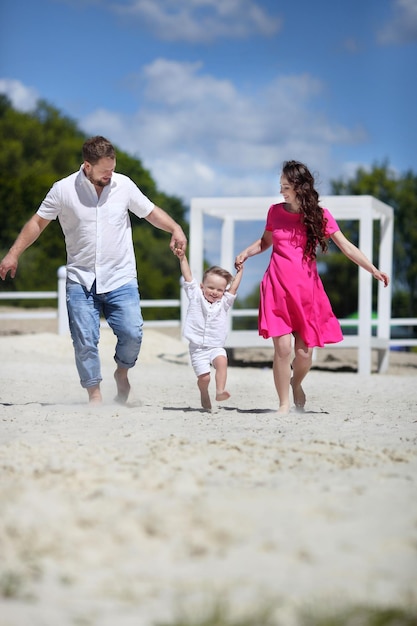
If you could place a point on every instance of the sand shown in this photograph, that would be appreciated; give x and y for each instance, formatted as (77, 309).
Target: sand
(127, 514)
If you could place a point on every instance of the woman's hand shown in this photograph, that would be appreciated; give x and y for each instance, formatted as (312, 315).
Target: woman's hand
(384, 278)
(258, 246)
(239, 260)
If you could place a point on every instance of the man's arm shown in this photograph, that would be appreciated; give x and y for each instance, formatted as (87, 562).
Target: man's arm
(27, 236)
(160, 219)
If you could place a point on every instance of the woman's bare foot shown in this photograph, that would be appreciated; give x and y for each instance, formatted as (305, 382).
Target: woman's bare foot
(222, 395)
(94, 395)
(123, 385)
(299, 396)
(284, 409)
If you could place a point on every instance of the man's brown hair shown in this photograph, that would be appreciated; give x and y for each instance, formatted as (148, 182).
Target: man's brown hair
(97, 148)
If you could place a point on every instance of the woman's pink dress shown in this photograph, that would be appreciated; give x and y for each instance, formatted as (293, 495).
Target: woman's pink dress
(292, 296)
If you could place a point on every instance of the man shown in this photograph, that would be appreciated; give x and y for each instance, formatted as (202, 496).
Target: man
(92, 207)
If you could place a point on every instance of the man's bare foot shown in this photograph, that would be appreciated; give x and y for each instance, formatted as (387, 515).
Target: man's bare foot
(123, 385)
(94, 395)
(299, 396)
(222, 395)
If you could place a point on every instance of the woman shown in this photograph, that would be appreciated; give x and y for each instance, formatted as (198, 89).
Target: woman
(292, 296)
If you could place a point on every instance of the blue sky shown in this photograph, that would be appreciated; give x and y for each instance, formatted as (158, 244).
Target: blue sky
(213, 95)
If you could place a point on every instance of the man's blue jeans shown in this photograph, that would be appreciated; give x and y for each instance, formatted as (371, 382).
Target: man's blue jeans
(121, 309)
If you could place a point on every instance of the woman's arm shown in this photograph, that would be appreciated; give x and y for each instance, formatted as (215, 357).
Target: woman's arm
(353, 253)
(258, 246)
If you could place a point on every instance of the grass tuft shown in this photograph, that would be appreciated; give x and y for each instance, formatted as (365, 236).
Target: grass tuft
(219, 615)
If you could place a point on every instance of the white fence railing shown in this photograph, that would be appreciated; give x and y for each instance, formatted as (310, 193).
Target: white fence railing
(395, 324)
(61, 313)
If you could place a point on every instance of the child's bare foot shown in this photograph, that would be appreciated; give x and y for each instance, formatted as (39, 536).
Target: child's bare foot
(222, 395)
(205, 399)
(203, 382)
(299, 396)
(94, 395)
(123, 385)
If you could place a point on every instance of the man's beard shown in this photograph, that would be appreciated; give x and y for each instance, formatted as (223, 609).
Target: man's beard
(98, 182)
(101, 183)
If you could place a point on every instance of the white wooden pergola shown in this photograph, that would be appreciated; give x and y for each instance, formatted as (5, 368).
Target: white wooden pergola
(364, 209)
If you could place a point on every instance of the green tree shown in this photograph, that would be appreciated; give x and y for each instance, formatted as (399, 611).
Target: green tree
(399, 192)
(42, 146)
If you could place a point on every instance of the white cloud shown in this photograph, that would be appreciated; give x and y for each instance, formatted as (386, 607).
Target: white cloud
(23, 98)
(403, 27)
(179, 84)
(201, 136)
(351, 45)
(201, 20)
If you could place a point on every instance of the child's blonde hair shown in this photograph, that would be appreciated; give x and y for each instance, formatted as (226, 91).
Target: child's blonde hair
(219, 271)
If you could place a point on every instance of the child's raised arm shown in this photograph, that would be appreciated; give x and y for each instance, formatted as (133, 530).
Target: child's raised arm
(236, 281)
(184, 266)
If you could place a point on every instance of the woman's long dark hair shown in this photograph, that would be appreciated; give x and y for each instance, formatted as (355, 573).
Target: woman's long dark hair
(302, 180)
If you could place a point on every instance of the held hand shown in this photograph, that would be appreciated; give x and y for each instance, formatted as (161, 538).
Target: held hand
(239, 261)
(179, 252)
(8, 264)
(178, 241)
